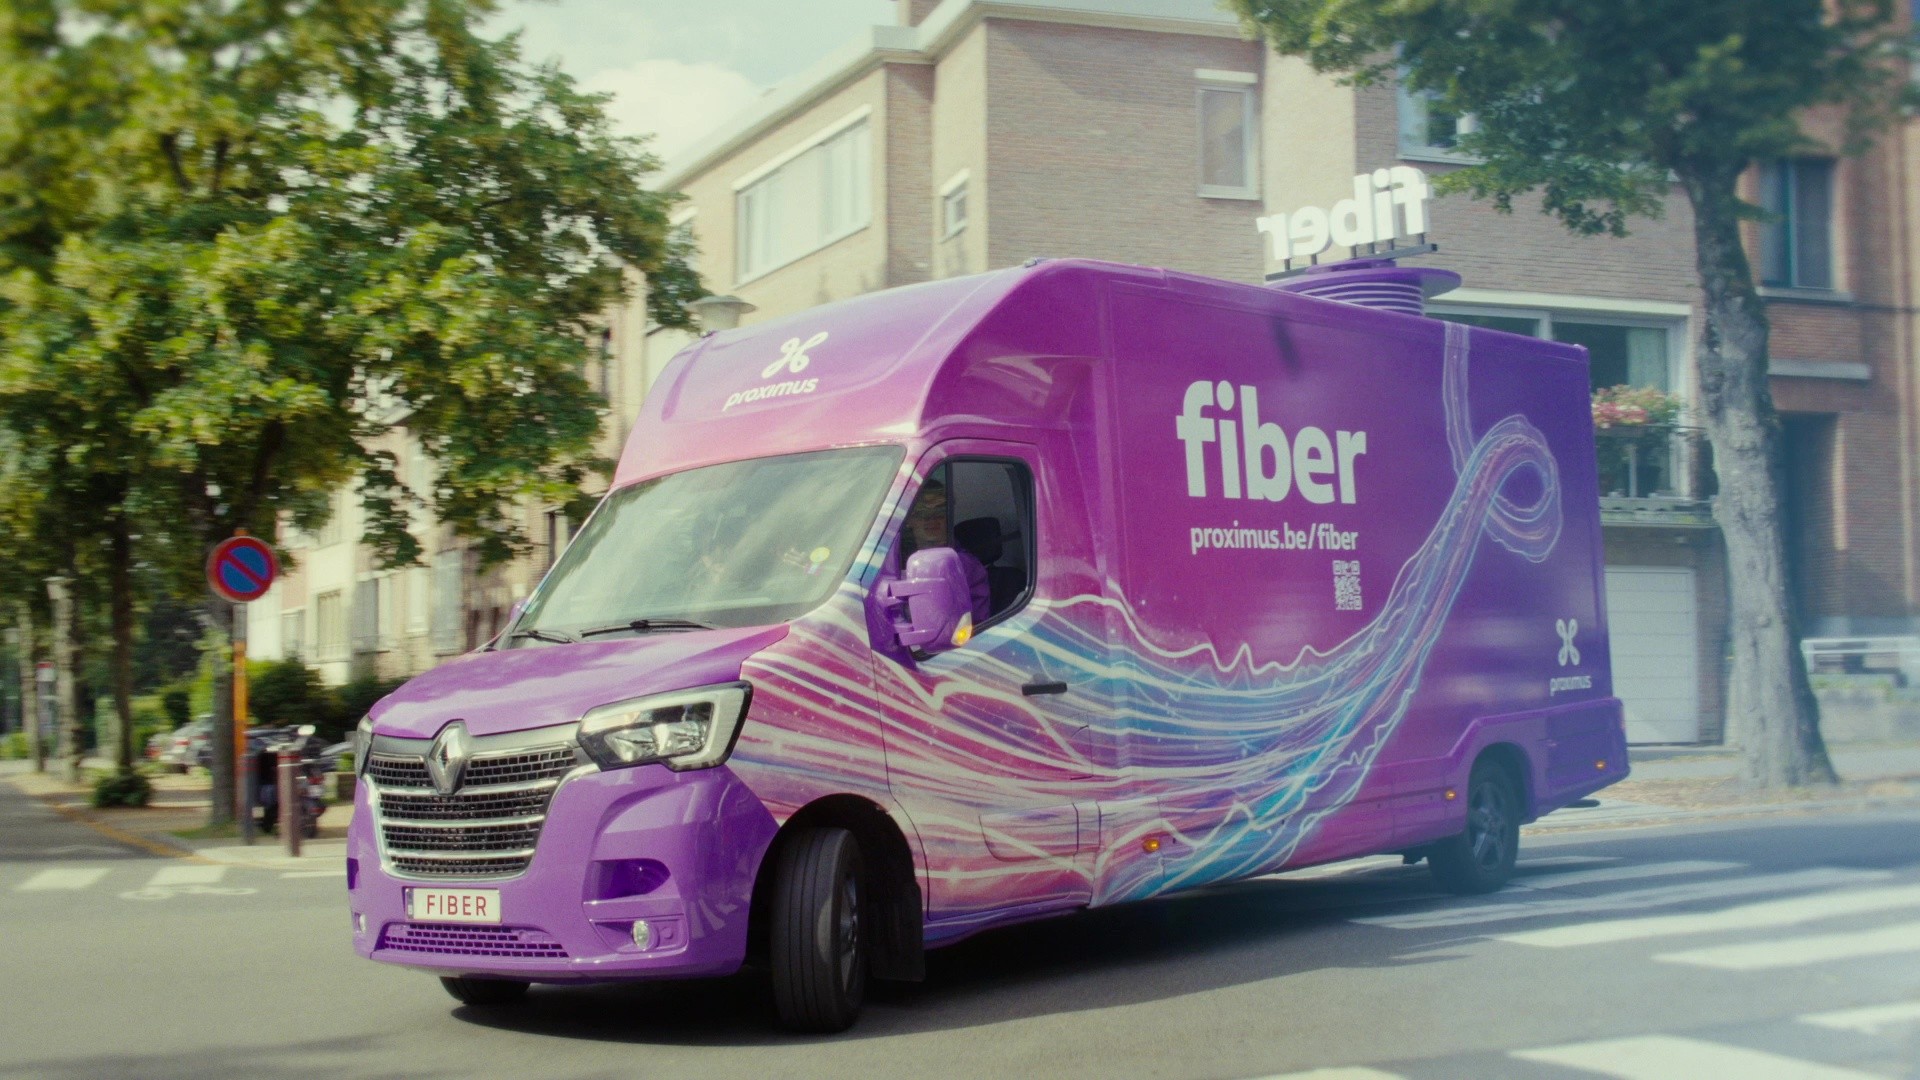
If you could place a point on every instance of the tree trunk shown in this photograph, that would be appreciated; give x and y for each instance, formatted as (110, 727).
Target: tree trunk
(66, 707)
(120, 585)
(1770, 705)
(220, 616)
(30, 690)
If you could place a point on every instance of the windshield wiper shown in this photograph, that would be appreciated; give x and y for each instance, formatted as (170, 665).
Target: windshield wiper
(641, 626)
(553, 636)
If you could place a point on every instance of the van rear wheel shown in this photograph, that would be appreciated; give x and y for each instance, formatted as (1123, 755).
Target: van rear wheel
(818, 933)
(484, 992)
(1479, 859)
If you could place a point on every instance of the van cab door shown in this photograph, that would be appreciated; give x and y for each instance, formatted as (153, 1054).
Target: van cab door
(987, 744)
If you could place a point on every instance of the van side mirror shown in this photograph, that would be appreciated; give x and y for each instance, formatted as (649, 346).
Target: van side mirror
(935, 605)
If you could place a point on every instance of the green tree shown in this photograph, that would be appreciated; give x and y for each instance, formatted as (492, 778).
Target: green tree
(1604, 106)
(239, 240)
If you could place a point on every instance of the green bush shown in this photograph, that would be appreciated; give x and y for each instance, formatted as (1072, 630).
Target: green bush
(357, 697)
(122, 789)
(177, 703)
(288, 692)
(14, 747)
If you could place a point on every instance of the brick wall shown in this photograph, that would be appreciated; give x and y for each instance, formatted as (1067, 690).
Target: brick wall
(1093, 148)
(960, 144)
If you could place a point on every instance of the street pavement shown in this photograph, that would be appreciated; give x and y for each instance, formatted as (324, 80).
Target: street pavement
(1777, 948)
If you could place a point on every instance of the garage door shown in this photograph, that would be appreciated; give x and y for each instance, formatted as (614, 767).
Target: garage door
(1656, 668)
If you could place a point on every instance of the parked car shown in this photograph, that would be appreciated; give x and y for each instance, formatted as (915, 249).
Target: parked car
(185, 744)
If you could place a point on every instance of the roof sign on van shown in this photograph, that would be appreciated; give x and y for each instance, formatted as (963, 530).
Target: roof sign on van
(1387, 204)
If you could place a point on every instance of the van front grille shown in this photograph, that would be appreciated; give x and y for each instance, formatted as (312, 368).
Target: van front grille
(487, 829)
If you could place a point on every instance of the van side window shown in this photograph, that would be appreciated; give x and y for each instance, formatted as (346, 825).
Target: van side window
(985, 509)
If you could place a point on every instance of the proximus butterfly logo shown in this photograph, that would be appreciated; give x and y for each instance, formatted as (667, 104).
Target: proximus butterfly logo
(793, 360)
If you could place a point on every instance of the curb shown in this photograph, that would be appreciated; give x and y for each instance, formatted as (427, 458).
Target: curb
(1658, 815)
(151, 845)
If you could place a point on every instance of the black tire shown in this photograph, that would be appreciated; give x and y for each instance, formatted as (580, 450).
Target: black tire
(485, 992)
(1480, 858)
(818, 931)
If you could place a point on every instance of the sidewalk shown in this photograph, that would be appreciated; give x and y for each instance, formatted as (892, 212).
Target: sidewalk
(175, 822)
(1670, 784)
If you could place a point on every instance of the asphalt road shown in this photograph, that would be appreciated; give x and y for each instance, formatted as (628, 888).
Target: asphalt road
(1771, 949)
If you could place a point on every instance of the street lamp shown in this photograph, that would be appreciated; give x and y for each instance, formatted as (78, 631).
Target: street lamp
(720, 312)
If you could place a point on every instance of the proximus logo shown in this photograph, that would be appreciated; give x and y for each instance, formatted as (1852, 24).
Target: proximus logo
(793, 360)
(1321, 468)
(1569, 652)
(793, 356)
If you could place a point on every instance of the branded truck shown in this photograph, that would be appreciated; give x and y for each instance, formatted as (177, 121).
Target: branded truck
(1000, 597)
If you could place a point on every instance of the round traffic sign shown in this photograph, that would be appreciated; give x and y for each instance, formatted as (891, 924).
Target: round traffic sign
(241, 569)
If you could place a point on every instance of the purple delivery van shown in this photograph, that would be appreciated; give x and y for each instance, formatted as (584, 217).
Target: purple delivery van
(997, 597)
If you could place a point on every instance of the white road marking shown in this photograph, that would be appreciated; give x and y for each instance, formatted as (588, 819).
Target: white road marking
(62, 878)
(1870, 1020)
(1800, 951)
(1669, 1057)
(1343, 1073)
(1629, 872)
(189, 874)
(1757, 916)
(1534, 904)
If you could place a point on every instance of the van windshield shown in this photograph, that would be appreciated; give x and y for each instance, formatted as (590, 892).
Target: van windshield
(747, 543)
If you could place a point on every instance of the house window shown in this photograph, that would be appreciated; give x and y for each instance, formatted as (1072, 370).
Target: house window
(953, 206)
(330, 625)
(1796, 242)
(293, 634)
(559, 532)
(818, 196)
(366, 616)
(334, 530)
(1620, 351)
(1226, 141)
(1428, 128)
(419, 591)
(448, 582)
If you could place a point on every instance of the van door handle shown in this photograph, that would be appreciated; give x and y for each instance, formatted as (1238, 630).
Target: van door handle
(1033, 689)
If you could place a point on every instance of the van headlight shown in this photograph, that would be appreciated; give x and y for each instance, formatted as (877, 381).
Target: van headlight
(362, 745)
(687, 729)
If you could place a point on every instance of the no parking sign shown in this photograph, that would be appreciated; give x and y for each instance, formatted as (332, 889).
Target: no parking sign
(241, 569)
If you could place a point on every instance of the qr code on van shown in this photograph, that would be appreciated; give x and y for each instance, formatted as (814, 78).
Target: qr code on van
(1346, 585)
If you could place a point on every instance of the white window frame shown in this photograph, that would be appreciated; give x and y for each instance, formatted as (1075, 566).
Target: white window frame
(954, 192)
(419, 598)
(1791, 214)
(293, 645)
(1673, 318)
(1411, 107)
(330, 641)
(745, 187)
(1246, 85)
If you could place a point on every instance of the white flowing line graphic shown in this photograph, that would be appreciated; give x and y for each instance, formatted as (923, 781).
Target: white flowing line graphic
(1801, 951)
(62, 879)
(1670, 1057)
(1763, 915)
(1869, 1020)
(1540, 904)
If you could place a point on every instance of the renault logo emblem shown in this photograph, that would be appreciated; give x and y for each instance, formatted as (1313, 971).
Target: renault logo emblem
(447, 760)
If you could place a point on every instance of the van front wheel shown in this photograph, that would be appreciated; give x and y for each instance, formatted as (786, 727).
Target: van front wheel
(1479, 859)
(817, 935)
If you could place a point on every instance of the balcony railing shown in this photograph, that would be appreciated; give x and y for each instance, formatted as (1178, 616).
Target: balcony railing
(1655, 474)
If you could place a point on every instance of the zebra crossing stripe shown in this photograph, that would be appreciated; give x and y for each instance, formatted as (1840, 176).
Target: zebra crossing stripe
(1630, 872)
(1871, 1020)
(187, 875)
(1343, 1073)
(1670, 1057)
(1757, 916)
(62, 878)
(1800, 951)
(1539, 904)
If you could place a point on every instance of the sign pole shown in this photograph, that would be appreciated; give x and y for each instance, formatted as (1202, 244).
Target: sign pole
(242, 767)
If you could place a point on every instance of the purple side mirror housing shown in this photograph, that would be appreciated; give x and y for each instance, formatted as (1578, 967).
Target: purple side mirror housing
(934, 603)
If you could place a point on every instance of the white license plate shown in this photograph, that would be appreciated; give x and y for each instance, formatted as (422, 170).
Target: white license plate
(454, 905)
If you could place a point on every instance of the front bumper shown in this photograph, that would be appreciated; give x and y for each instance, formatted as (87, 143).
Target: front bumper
(679, 850)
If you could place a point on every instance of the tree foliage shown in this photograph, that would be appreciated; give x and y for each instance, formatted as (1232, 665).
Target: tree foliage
(1603, 107)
